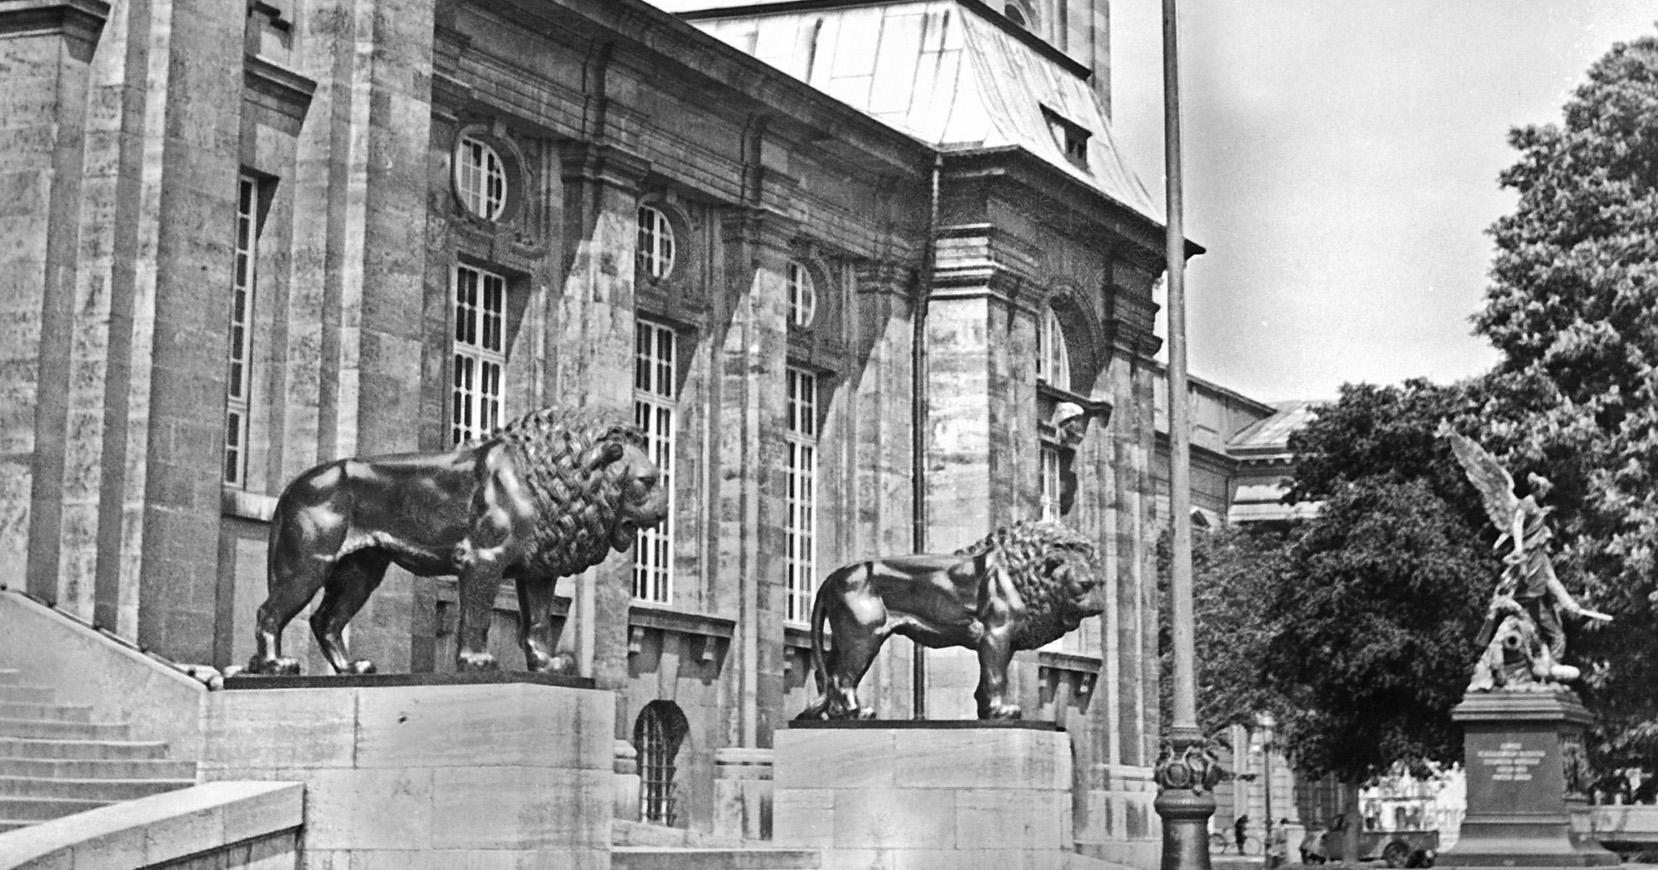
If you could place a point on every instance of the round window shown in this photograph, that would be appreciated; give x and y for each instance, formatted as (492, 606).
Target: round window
(480, 178)
(802, 295)
(656, 243)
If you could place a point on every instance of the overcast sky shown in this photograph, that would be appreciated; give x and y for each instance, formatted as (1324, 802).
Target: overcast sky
(1341, 165)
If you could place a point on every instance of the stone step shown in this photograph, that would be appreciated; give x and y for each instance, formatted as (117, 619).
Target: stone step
(33, 809)
(688, 858)
(98, 768)
(87, 789)
(54, 729)
(12, 825)
(48, 711)
(27, 694)
(10, 677)
(44, 748)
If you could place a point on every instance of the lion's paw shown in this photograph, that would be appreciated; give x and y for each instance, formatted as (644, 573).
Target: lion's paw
(360, 666)
(275, 667)
(1006, 711)
(475, 661)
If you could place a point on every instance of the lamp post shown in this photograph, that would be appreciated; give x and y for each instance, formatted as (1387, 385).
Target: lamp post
(1265, 721)
(1186, 771)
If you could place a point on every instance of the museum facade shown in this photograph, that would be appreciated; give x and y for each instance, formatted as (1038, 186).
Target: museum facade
(871, 276)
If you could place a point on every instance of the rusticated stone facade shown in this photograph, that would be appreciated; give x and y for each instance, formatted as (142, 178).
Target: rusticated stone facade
(332, 178)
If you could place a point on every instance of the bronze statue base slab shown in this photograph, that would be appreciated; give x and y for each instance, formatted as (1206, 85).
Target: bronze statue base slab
(1523, 756)
(369, 681)
(922, 724)
(966, 795)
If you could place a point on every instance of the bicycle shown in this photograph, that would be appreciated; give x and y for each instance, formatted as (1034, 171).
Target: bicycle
(1224, 844)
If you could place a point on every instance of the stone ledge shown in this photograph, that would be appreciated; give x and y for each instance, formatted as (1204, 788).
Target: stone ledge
(160, 828)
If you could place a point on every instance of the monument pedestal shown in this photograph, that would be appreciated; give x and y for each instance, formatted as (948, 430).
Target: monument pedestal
(930, 794)
(1523, 754)
(428, 770)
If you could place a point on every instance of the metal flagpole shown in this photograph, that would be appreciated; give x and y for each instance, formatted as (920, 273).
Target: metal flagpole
(1185, 771)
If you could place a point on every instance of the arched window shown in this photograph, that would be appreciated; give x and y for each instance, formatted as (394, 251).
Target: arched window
(1053, 361)
(480, 178)
(802, 295)
(656, 243)
(657, 734)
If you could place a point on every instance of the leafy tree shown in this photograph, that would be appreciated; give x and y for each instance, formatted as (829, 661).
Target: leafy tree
(1374, 618)
(1573, 307)
(1234, 572)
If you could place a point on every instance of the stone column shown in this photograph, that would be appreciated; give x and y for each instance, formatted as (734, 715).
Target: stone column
(880, 429)
(982, 437)
(750, 397)
(590, 344)
(46, 49)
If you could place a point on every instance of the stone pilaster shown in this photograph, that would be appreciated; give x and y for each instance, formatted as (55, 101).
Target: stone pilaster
(591, 347)
(982, 439)
(46, 49)
(881, 498)
(750, 538)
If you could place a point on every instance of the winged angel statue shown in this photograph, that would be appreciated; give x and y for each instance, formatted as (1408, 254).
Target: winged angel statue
(1522, 640)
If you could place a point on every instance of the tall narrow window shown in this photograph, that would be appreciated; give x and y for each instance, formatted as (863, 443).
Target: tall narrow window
(800, 526)
(480, 178)
(1050, 483)
(655, 397)
(480, 353)
(1053, 362)
(239, 383)
(656, 243)
(802, 295)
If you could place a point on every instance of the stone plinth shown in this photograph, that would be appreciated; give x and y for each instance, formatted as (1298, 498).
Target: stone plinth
(446, 774)
(1523, 753)
(918, 795)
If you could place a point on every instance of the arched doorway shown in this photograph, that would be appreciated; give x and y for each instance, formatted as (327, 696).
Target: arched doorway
(657, 735)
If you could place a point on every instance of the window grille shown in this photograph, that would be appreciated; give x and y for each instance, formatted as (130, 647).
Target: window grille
(239, 382)
(656, 243)
(655, 398)
(802, 295)
(800, 527)
(657, 735)
(480, 178)
(480, 353)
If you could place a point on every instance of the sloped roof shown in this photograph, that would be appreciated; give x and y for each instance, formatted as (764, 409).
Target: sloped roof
(942, 71)
(1272, 434)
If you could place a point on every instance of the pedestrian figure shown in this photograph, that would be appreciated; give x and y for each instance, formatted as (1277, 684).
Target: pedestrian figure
(1238, 828)
(1278, 845)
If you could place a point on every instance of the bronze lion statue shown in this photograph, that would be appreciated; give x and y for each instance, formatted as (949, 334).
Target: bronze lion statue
(545, 496)
(1019, 588)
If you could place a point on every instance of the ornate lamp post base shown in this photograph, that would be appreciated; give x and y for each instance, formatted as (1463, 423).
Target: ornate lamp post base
(1186, 777)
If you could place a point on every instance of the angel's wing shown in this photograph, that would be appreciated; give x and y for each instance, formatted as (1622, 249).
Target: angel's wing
(1495, 484)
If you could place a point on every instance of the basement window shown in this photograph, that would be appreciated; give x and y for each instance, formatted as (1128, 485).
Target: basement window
(1072, 138)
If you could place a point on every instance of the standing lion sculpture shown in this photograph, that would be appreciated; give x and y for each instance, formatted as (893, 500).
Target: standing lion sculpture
(1019, 588)
(545, 496)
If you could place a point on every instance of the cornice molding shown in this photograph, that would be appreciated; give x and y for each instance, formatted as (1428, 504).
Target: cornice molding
(289, 92)
(77, 20)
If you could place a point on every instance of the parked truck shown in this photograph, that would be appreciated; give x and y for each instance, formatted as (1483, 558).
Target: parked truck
(1401, 848)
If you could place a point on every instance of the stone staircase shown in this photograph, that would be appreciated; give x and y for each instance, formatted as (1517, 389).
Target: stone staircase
(639, 846)
(55, 761)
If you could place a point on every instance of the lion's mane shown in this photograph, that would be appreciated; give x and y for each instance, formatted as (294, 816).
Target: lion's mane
(1024, 550)
(579, 506)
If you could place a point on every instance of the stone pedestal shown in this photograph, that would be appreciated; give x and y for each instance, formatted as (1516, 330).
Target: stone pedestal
(421, 771)
(932, 794)
(1523, 754)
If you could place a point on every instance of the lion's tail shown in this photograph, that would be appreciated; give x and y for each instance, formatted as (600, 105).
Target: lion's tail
(817, 709)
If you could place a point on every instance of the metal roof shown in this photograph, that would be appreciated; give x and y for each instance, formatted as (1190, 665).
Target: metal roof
(947, 72)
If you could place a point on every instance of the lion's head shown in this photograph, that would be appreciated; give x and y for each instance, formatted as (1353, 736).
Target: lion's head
(592, 483)
(1056, 572)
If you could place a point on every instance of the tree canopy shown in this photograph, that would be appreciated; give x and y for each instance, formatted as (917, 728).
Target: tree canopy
(1573, 307)
(1372, 621)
